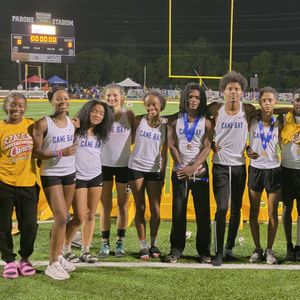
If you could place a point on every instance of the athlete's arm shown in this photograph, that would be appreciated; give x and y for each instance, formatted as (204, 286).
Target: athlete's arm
(131, 117)
(172, 139)
(39, 131)
(135, 124)
(164, 154)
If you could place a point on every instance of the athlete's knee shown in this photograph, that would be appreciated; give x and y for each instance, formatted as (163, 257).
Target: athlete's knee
(61, 220)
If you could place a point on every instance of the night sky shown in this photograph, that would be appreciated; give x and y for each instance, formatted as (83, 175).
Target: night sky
(272, 25)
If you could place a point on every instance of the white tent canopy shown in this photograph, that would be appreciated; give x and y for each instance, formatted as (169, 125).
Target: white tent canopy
(128, 83)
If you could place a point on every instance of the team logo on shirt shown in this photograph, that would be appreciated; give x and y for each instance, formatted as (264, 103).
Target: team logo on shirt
(19, 146)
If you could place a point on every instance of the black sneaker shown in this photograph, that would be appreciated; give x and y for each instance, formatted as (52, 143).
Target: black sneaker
(217, 261)
(229, 256)
(290, 253)
(171, 258)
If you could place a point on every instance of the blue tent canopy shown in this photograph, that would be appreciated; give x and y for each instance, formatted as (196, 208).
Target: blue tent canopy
(56, 80)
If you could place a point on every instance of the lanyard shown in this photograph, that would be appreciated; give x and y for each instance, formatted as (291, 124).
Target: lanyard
(190, 132)
(265, 139)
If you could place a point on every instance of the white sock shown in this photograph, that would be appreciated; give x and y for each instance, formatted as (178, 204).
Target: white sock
(85, 249)
(66, 249)
(143, 244)
(298, 232)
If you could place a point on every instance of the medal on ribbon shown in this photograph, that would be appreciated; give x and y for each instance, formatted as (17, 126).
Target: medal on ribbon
(189, 132)
(265, 139)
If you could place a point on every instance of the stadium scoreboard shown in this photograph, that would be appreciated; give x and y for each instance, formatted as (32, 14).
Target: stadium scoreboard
(42, 39)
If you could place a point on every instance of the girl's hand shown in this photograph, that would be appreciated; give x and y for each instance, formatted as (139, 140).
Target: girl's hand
(186, 172)
(76, 122)
(69, 151)
(215, 147)
(251, 154)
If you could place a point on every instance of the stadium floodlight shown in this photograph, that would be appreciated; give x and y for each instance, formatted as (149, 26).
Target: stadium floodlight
(200, 77)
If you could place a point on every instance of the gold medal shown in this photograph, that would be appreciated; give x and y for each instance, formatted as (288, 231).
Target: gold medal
(189, 146)
(264, 153)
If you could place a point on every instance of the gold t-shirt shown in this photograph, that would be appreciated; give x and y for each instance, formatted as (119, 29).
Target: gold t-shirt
(17, 167)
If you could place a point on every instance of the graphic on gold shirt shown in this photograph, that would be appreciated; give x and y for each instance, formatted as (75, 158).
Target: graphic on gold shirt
(18, 146)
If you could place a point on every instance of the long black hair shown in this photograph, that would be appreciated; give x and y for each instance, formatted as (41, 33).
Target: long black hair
(184, 98)
(101, 130)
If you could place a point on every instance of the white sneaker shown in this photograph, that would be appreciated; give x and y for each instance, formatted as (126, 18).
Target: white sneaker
(69, 267)
(270, 257)
(56, 271)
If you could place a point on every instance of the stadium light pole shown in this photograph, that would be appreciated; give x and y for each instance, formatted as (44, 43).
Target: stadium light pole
(19, 71)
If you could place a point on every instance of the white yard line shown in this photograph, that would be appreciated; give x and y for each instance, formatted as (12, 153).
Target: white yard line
(176, 265)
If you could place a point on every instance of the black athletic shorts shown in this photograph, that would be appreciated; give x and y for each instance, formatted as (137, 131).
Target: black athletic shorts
(120, 173)
(148, 176)
(58, 180)
(94, 182)
(290, 185)
(260, 179)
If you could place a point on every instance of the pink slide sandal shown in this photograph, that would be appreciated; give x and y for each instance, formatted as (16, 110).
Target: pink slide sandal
(11, 270)
(25, 268)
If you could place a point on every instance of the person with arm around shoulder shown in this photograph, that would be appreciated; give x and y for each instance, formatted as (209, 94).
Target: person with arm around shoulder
(264, 173)
(95, 119)
(54, 145)
(147, 166)
(115, 156)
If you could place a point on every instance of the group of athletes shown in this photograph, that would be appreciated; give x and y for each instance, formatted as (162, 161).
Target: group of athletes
(81, 158)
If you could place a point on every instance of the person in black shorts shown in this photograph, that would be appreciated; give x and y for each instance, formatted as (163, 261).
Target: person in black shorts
(264, 173)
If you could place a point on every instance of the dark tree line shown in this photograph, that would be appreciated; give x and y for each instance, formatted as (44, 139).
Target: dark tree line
(99, 66)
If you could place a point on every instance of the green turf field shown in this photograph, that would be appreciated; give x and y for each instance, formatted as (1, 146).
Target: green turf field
(153, 283)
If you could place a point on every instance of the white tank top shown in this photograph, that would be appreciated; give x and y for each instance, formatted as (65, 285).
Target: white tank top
(146, 155)
(231, 135)
(88, 157)
(269, 159)
(290, 155)
(188, 156)
(116, 149)
(58, 138)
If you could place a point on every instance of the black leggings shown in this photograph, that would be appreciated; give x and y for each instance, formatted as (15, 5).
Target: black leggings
(24, 199)
(228, 183)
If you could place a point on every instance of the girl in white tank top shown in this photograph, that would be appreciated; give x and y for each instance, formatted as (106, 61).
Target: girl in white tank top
(147, 165)
(53, 143)
(115, 155)
(264, 169)
(95, 123)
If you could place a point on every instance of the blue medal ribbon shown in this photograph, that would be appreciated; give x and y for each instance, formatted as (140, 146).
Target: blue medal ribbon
(265, 139)
(190, 132)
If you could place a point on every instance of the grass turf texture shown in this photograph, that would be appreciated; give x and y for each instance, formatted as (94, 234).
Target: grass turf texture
(153, 283)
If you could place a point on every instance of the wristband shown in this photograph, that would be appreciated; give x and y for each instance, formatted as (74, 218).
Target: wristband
(59, 153)
(179, 166)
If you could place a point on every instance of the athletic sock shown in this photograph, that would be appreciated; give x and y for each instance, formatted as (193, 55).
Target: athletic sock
(143, 244)
(85, 249)
(66, 249)
(105, 234)
(121, 234)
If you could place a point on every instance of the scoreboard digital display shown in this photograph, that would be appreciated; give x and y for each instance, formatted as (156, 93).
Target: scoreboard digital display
(42, 39)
